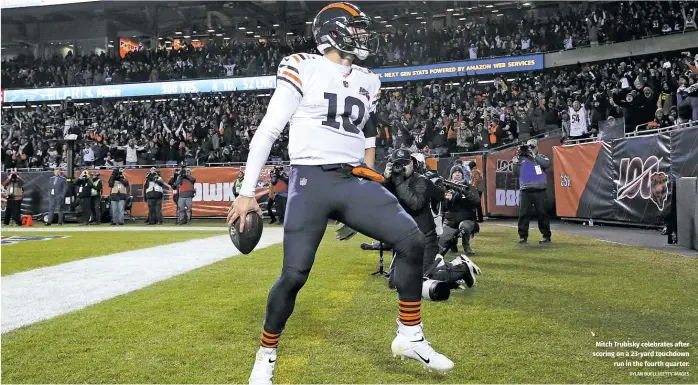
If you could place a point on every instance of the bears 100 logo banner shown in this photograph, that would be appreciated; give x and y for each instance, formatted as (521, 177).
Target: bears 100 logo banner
(643, 168)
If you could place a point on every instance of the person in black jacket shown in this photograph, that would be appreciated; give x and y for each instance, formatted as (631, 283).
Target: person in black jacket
(119, 186)
(153, 192)
(96, 198)
(460, 213)
(83, 186)
(415, 194)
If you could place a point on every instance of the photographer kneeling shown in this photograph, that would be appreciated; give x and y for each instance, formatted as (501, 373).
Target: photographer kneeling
(460, 215)
(153, 193)
(416, 193)
(530, 168)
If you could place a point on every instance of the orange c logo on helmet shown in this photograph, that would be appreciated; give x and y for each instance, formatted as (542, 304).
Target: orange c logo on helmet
(347, 7)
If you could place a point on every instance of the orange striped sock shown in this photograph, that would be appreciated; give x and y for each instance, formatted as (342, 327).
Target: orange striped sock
(410, 312)
(270, 340)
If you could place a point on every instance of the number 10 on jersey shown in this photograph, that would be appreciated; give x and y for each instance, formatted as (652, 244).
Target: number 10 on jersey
(347, 123)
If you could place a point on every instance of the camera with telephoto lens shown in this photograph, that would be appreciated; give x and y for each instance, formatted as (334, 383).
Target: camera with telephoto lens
(13, 177)
(524, 150)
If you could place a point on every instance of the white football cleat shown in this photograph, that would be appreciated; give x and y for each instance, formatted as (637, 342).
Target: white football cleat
(410, 343)
(263, 369)
(474, 269)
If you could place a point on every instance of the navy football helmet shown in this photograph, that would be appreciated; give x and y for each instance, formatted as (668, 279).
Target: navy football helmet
(344, 27)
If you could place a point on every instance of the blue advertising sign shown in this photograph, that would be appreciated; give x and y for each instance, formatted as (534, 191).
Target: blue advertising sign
(461, 68)
(141, 89)
(395, 74)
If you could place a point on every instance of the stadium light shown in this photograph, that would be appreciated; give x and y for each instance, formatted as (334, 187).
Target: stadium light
(413, 13)
(494, 11)
(241, 28)
(219, 34)
(178, 32)
(289, 33)
(378, 17)
(489, 6)
(526, 4)
(257, 36)
(187, 36)
(449, 10)
(419, 17)
(456, 14)
(194, 39)
(249, 32)
(388, 25)
(226, 38)
(210, 30)
(275, 25)
(424, 22)
(462, 18)
(500, 14)
(308, 22)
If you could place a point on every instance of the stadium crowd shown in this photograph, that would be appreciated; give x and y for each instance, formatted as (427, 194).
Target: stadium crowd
(513, 33)
(435, 117)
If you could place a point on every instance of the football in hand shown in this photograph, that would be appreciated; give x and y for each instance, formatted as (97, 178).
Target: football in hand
(247, 240)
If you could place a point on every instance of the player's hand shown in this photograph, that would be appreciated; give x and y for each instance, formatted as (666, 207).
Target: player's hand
(239, 209)
(515, 159)
(449, 195)
(388, 170)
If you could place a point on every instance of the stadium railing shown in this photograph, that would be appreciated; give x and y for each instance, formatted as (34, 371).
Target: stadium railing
(644, 130)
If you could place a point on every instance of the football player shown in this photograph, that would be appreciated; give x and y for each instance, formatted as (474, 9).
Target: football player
(330, 104)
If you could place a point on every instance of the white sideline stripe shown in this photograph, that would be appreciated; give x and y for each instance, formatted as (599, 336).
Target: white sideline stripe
(44, 293)
(107, 228)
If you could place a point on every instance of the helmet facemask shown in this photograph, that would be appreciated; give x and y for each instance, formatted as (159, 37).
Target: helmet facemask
(350, 35)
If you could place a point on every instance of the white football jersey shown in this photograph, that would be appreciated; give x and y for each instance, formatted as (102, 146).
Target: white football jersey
(578, 122)
(328, 125)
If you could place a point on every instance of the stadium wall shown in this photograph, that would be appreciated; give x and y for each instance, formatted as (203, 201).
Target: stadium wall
(625, 180)
(673, 42)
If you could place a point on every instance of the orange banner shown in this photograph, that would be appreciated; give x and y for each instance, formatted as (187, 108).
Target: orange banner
(214, 190)
(573, 167)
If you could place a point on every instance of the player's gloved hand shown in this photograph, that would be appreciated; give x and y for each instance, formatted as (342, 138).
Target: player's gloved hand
(239, 209)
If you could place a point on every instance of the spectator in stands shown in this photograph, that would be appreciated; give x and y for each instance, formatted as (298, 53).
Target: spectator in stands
(516, 32)
(660, 120)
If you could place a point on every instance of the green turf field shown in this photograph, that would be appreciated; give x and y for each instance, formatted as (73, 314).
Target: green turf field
(530, 319)
(28, 255)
